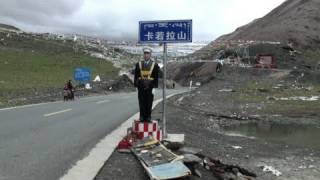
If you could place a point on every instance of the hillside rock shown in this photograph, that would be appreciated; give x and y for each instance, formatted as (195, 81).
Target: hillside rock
(8, 27)
(295, 21)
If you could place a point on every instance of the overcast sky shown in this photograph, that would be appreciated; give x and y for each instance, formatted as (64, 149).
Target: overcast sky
(118, 19)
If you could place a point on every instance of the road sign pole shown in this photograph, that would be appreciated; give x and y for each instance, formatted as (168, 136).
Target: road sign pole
(168, 31)
(164, 89)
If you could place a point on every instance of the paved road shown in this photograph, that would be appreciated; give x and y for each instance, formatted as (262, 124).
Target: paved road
(42, 142)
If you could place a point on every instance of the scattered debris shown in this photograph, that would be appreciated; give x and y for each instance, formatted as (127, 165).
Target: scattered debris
(174, 141)
(233, 116)
(271, 98)
(271, 170)
(198, 84)
(88, 86)
(97, 79)
(236, 147)
(311, 167)
(197, 173)
(124, 146)
(175, 138)
(302, 167)
(302, 98)
(190, 158)
(223, 171)
(263, 90)
(295, 98)
(238, 135)
(180, 99)
(190, 150)
(158, 161)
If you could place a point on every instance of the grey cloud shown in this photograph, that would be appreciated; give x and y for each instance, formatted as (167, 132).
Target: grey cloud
(38, 12)
(116, 19)
(53, 7)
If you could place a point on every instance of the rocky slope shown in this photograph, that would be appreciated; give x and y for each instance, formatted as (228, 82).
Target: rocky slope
(296, 21)
(8, 27)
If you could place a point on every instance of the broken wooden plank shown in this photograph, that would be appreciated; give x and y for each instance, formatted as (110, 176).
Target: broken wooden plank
(168, 171)
(159, 162)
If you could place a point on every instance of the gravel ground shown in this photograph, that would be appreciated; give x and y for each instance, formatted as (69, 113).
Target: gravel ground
(202, 113)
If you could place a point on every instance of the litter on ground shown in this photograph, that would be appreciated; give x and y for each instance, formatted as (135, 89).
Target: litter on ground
(271, 170)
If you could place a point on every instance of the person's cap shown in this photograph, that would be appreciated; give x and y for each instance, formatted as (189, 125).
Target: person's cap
(147, 50)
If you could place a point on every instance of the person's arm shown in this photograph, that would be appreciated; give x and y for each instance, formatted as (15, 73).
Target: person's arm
(136, 75)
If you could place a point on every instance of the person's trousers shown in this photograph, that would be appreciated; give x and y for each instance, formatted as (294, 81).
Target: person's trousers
(145, 104)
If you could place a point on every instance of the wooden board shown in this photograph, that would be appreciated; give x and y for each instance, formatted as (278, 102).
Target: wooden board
(168, 171)
(159, 162)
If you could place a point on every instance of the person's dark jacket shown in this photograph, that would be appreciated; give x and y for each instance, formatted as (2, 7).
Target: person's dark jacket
(70, 86)
(139, 83)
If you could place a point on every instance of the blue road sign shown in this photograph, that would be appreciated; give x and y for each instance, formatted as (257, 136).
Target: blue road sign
(82, 74)
(174, 31)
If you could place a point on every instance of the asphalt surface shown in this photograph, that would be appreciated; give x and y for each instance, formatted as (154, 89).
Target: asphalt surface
(44, 141)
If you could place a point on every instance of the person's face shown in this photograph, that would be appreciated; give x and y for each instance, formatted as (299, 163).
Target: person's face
(147, 56)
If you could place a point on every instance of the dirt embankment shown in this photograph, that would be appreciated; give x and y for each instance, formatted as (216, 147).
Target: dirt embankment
(32, 96)
(295, 21)
(202, 72)
(241, 96)
(256, 92)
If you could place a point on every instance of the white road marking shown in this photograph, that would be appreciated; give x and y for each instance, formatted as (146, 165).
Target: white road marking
(39, 104)
(29, 105)
(88, 167)
(58, 112)
(104, 101)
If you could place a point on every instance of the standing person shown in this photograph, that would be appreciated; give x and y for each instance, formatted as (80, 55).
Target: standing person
(145, 79)
(71, 89)
(65, 92)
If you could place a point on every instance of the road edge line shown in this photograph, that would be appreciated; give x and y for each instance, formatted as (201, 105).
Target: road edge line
(28, 105)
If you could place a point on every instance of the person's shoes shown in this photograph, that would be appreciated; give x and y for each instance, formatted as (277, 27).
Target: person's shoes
(143, 119)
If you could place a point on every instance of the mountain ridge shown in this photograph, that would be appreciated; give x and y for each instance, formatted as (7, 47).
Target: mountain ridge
(294, 21)
(8, 27)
